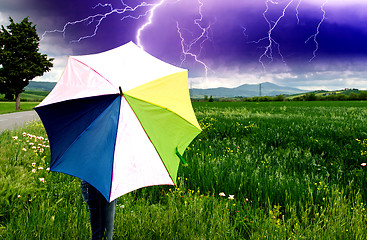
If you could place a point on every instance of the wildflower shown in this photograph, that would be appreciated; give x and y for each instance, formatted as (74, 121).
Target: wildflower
(33, 164)
(40, 168)
(34, 147)
(246, 199)
(42, 179)
(19, 196)
(231, 197)
(24, 134)
(363, 164)
(222, 194)
(48, 169)
(33, 170)
(31, 144)
(15, 138)
(24, 149)
(41, 138)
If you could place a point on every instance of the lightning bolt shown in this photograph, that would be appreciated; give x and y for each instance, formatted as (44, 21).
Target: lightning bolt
(187, 49)
(150, 21)
(268, 53)
(272, 44)
(141, 10)
(99, 17)
(297, 12)
(314, 36)
(244, 32)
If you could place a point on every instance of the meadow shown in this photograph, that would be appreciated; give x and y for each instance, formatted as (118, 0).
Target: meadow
(9, 107)
(28, 100)
(273, 170)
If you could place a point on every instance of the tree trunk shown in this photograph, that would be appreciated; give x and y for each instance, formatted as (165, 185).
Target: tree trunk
(17, 102)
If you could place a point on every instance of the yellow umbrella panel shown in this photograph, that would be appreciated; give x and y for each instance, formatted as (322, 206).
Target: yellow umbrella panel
(164, 110)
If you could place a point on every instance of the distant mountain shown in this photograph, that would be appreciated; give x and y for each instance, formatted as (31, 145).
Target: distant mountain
(40, 86)
(245, 90)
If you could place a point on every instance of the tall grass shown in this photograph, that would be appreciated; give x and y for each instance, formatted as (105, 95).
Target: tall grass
(288, 170)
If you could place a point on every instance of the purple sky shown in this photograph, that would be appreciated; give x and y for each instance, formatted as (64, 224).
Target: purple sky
(236, 46)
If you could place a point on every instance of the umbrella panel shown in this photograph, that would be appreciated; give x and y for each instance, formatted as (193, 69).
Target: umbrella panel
(82, 136)
(136, 161)
(166, 130)
(170, 92)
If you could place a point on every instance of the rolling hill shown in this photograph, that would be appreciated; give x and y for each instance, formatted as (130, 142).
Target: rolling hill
(245, 90)
(40, 86)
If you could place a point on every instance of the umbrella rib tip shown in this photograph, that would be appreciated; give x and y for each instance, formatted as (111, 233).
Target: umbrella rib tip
(121, 93)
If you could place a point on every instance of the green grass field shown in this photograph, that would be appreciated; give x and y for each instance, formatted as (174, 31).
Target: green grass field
(29, 99)
(9, 107)
(33, 96)
(275, 170)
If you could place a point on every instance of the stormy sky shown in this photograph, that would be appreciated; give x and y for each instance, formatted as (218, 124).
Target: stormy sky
(308, 44)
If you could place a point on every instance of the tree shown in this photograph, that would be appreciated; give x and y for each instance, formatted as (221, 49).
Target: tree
(363, 95)
(310, 97)
(353, 96)
(341, 97)
(20, 60)
(280, 98)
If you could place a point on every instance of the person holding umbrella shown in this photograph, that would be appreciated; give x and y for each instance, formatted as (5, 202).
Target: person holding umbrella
(119, 120)
(101, 212)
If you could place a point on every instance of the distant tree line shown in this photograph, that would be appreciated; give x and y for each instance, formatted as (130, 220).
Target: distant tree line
(333, 97)
(352, 96)
(205, 99)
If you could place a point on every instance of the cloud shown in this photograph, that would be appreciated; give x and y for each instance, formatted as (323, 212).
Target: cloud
(56, 72)
(230, 51)
(4, 19)
(229, 81)
(339, 3)
(326, 80)
(55, 46)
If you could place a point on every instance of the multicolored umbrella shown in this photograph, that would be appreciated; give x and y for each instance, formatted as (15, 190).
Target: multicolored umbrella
(120, 120)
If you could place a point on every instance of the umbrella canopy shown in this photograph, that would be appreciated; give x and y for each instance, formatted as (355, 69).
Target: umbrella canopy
(120, 120)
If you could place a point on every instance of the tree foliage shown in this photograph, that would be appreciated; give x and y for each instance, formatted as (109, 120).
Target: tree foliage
(20, 60)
